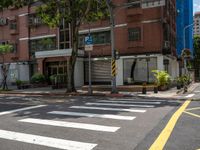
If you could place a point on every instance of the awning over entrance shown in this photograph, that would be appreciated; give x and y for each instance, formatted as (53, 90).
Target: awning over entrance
(56, 53)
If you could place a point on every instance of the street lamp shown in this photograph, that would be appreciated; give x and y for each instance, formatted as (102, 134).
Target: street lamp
(184, 42)
(113, 51)
(184, 33)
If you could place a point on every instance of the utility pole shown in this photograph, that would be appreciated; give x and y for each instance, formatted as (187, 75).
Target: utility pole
(113, 51)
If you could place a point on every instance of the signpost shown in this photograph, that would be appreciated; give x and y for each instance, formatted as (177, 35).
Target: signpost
(89, 48)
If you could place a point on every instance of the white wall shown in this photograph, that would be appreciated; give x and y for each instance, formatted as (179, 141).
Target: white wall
(79, 72)
(119, 77)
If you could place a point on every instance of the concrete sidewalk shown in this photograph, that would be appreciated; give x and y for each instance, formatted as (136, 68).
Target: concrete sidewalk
(45, 91)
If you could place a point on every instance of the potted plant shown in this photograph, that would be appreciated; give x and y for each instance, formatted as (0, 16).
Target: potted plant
(18, 83)
(38, 80)
(162, 78)
(178, 82)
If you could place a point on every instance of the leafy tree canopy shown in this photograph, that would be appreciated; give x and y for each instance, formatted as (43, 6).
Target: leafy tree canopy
(5, 48)
(197, 45)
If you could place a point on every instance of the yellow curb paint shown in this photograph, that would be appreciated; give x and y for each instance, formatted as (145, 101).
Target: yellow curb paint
(166, 132)
(195, 108)
(192, 114)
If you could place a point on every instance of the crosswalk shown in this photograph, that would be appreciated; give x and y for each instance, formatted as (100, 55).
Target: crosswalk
(103, 109)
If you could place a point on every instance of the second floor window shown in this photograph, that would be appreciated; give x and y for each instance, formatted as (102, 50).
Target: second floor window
(135, 3)
(98, 38)
(134, 34)
(43, 44)
(13, 25)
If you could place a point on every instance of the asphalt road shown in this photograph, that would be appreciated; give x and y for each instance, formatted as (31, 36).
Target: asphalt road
(85, 123)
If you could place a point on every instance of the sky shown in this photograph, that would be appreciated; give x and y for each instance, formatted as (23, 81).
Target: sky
(196, 5)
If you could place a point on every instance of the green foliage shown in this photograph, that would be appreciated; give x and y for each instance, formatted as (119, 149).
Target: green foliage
(183, 80)
(5, 48)
(18, 82)
(162, 78)
(197, 45)
(38, 78)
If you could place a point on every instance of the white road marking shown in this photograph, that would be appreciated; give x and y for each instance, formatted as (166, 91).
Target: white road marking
(46, 141)
(129, 99)
(106, 108)
(190, 95)
(93, 127)
(108, 116)
(111, 104)
(128, 102)
(21, 109)
(196, 91)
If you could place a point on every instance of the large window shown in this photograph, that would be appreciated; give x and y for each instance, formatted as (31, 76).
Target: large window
(43, 44)
(134, 34)
(64, 35)
(98, 38)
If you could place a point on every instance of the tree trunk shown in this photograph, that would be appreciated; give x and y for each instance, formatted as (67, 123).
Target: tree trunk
(72, 60)
(4, 69)
(133, 69)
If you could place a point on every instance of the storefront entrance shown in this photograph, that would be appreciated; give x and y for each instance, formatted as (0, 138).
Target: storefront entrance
(58, 70)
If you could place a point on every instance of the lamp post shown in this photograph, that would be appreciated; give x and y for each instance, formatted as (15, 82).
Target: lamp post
(113, 51)
(184, 44)
(184, 34)
(113, 59)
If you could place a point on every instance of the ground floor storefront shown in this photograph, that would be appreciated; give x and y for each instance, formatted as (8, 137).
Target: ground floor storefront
(130, 69)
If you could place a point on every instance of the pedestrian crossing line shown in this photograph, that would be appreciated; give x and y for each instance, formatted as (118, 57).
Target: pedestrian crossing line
(46, 141)
(126, 105)
(93, 127)
(129, 99)
(128, 102)
(107, 116)
(111, 109)
(21, 109)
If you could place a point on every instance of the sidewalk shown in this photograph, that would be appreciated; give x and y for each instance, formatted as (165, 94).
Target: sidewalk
(45, 91)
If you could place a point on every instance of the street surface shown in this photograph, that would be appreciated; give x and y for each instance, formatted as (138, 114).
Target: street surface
(98, 123)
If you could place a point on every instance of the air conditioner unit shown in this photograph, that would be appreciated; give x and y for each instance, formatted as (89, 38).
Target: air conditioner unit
(167, 44)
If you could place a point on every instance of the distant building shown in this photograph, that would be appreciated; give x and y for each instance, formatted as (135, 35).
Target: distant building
(145, 37)
(197, 23)
(183, 21)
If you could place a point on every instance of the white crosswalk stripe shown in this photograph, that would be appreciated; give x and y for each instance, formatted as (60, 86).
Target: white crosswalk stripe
(93, 127)
(46, 141)
(131, 99)
(128, 102)
(108, 116)
(126, 105)
(111, 109)
(21, 109)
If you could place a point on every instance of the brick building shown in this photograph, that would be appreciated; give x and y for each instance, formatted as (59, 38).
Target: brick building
(145, 35)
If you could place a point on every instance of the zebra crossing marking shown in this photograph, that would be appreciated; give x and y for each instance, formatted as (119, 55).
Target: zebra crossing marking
(107, 116)
(128, 102)
(21, 109)
(93, 127)
(127, 105)
(106, 108)
(46, 141)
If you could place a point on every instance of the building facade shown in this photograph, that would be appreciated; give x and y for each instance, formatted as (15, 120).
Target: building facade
(197, 23)
(145, 38)
(184, 24)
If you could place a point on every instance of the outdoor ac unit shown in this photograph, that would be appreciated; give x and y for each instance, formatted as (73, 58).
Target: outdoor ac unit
(167, 44)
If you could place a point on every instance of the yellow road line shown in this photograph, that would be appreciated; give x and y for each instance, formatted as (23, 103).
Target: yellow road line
(195, 108)
(192, 114)
(166, 132)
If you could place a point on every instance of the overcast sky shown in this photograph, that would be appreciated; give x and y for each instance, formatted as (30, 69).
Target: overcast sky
(196, 5)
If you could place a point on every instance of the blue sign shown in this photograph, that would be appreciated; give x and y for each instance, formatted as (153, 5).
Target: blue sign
(88, 40)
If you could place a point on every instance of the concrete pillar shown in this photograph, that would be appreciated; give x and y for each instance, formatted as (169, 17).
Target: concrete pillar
(160, 65)
(40, 65)
(119, 77)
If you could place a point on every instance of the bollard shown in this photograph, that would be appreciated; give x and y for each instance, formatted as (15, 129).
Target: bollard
(155, 89)
(144, 89)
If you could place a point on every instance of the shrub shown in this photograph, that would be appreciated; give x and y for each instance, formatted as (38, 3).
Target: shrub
(38, 78)
(162, 77)
(18, 82)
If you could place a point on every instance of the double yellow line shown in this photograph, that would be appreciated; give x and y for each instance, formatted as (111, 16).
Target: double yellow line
(166, 132)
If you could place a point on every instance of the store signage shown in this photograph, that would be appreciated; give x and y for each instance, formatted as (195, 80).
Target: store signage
(3, 21)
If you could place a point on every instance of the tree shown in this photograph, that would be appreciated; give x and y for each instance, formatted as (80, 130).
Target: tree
(4, 49)
(74, 12)
(197, 56)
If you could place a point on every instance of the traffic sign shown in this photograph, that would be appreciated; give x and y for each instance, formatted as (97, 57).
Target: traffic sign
(88, 40)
